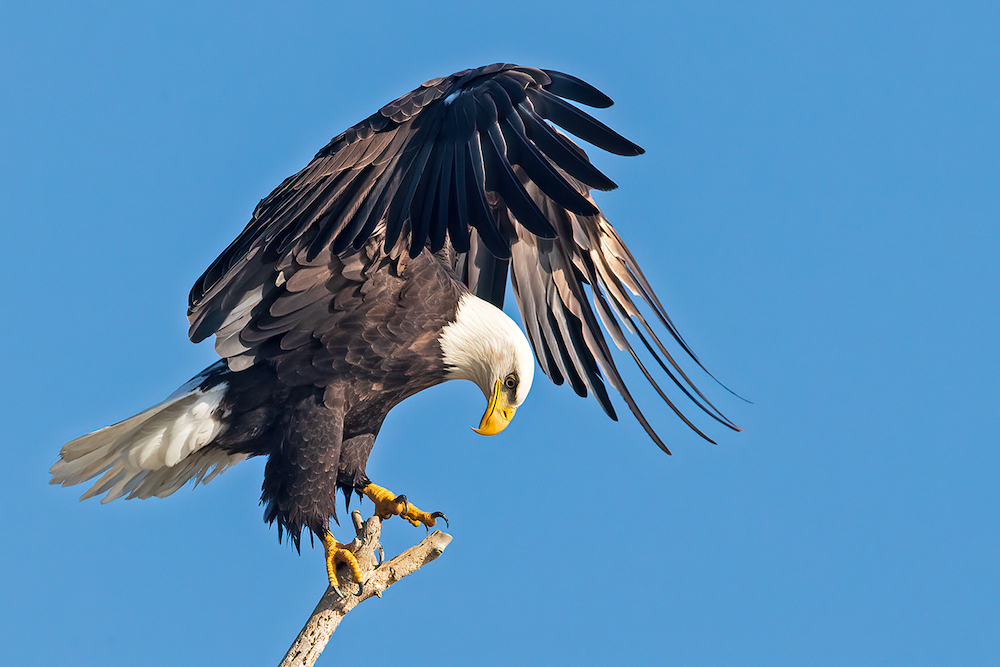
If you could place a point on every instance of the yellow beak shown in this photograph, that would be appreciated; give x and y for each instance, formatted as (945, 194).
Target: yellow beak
(498, 413)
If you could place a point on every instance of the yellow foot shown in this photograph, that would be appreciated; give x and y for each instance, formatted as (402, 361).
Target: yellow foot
(336, 553)
(388, 504)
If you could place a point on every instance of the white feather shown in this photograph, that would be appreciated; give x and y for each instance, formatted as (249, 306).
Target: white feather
(153, 453)
(483, 344)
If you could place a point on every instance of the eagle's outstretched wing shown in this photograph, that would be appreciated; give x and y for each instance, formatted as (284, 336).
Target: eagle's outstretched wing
(472, 163)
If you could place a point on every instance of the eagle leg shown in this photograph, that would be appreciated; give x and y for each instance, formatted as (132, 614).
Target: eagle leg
(388, 504)
(336, 553)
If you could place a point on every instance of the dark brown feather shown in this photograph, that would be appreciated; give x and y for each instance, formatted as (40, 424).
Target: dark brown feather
(330, 301)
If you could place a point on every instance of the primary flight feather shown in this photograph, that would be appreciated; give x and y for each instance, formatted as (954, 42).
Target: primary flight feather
(378, 271)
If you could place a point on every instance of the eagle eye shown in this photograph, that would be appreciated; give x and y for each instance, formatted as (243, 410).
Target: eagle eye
(510, 381)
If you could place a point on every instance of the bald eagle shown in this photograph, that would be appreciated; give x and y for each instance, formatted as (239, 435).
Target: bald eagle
(379, 270)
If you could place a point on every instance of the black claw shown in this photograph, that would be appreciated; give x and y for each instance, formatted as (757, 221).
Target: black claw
(381, 555)
(401, 498)
(440, 515)
(340, 593)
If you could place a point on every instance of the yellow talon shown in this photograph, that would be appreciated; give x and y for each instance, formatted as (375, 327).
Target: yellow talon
(336, 553)
(388, 504)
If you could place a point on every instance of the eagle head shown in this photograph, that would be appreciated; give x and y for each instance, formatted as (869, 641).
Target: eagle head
(484, 345)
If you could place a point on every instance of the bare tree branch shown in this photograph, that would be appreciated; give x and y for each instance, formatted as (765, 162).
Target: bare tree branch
(308, 646)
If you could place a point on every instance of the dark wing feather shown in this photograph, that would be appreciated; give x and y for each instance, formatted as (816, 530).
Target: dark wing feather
(439, 149)
(467, 161)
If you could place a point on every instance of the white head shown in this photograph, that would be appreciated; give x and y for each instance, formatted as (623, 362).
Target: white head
(485, 346)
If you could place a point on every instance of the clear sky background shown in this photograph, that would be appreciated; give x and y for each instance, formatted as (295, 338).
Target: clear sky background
(818, 209)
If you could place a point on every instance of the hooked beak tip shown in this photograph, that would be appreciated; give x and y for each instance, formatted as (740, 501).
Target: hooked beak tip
(498, 413)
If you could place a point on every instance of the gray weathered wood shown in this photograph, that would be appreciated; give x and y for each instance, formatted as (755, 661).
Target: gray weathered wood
(308, 646)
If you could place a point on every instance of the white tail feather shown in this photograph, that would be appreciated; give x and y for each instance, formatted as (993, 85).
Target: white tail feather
(153, 453)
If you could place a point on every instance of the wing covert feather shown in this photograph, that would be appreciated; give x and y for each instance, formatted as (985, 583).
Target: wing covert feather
(473, 168)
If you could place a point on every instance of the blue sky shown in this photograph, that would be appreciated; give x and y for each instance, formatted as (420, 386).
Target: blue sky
(817, 209)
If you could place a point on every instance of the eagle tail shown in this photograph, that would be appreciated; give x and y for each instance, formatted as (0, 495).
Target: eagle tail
(155, 452)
